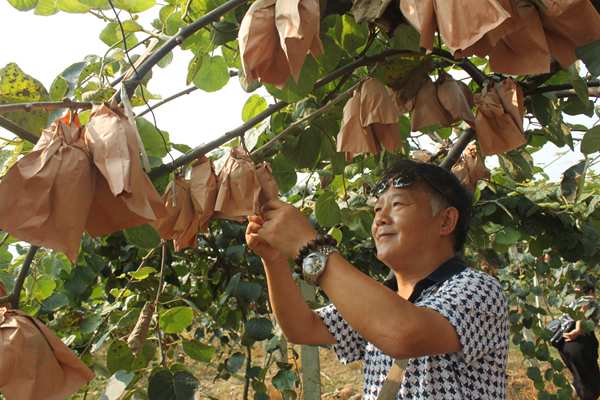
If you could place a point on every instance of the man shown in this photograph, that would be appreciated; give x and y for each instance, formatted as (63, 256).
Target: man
(448, 320)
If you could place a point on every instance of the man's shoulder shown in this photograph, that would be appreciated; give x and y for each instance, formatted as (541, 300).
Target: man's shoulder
(476, 288)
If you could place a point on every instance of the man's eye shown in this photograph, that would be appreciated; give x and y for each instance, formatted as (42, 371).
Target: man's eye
(377, 209)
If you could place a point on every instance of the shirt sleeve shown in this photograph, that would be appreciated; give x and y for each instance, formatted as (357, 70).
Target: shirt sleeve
(349, 346)
(475, 305)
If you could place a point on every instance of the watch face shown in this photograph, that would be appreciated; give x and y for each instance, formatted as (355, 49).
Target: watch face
(313, 263)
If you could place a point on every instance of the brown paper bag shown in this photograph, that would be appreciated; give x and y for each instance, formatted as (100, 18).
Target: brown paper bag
(268, 186)
(46, 196)
(499, 120)
(298, 24)
(470, 168)
(523, 48)
(34, 363)
(203, 187)
(379, 113)
(138, 203)
(461, 23)
(428, 111)
(569, 24)
(456, 98)
(353, 138)
(262, 57)
(239, 188)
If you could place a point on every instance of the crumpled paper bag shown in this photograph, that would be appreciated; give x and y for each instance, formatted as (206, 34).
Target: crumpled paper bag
(461, 23)
(262, 56)
(203, 188)
(369, 121)
(569, 24)
(46, 196)
(268, 186)
(298, 24)
(470, 168)
(34, 363)
(499, 119)
(442, 103)
(239, 187)
(180, 223)
(124, 196)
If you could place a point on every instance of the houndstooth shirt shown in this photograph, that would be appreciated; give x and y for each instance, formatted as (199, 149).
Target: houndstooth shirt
(474, 304)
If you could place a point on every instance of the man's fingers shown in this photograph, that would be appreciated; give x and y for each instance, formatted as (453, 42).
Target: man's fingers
(272, 205)
(253, 228)
(256, 218)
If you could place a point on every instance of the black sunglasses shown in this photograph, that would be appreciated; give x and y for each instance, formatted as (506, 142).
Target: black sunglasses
(404, 179)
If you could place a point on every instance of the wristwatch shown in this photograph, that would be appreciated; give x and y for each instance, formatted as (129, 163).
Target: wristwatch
(315, 262)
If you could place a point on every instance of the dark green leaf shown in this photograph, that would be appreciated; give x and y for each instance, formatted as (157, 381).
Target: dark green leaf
(176, 319)
(284, 380)
(198, 351)
(143, 236)
(296, 91)
(259, 329)
(406, 38)
(590, 55)
(165, 385)
(327, 210)
(542, 108)
(591, 141)
(235, 362)
(118, 356)
(284, 173)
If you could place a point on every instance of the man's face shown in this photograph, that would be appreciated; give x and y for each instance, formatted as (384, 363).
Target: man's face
(404, 224)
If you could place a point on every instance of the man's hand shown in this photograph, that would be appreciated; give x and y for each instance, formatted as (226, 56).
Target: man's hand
(258, 245)
(285, 228)
(572, 335)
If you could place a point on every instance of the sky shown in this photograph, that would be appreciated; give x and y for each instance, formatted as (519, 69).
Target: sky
(44, 46)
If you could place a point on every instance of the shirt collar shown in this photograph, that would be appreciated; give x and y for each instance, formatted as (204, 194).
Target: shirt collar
(445, 271)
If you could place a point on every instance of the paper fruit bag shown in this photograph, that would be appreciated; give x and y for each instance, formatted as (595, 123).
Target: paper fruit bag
(46, 196)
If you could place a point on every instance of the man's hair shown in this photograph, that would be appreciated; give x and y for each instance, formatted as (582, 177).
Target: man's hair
(445, 190)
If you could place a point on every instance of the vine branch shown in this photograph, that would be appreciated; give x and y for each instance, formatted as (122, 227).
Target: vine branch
(163, 358)
(15, 295)
(45, 105)
(457, 148)
(17, 130)
(212, 16)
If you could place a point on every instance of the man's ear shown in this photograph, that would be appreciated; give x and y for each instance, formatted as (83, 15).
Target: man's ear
(449, 220)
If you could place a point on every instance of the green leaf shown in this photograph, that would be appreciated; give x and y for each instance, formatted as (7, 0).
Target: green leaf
(590, 55)
(46, 7)
(304, 150)
(18, 87)
(90, 324)
(72, 6)
(332, 54)
(542, 108)
(134, 6)
(253, 106)
(142, 273)
(118, 357)
(212, 74)
(198, 351)
(507, 236)
(284, 380)
(406, 38)
(327, 210)
(284, 173)
(23, 5)
(65, 83)
(354, 35)
(117, 384)
(591, 141)
(43, 288)
(166, 385)
(581, 89)
(97, 4)
(143, 236)
(235, 362)
(111, 35)
(176, 319)
(155, 141)
(248, 291)
(296, 91)
(259, 329)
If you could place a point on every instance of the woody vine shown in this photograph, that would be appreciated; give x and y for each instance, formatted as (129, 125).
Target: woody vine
(211, 297)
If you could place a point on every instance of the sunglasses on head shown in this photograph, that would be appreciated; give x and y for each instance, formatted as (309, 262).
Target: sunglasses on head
(403, 180)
